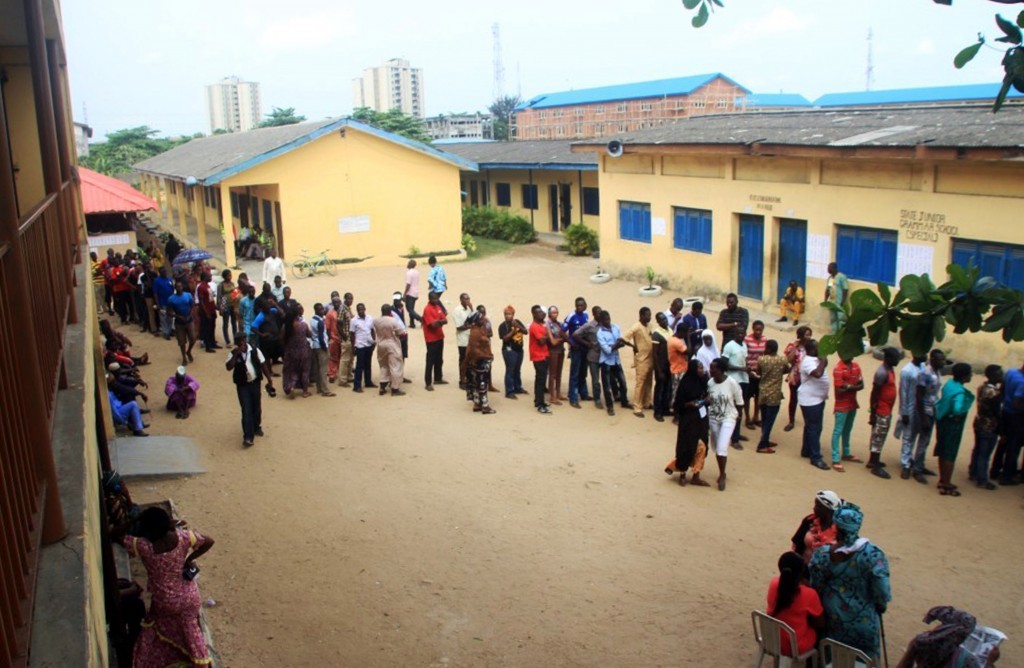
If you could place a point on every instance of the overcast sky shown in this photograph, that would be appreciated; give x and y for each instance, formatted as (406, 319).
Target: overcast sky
(145, 63)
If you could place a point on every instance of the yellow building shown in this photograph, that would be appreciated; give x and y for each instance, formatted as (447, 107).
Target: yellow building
(543, 181)
(746, 202)
(336, 185)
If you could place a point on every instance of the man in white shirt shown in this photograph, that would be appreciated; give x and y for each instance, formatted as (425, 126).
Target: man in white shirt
(273, 266)
(735, 351)
(363, 341)
(461, 313)
(811, 395)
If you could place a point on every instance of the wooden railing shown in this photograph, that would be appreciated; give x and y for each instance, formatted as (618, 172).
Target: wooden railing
(43, 272)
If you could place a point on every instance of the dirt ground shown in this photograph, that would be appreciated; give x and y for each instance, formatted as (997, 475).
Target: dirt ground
(410, 531)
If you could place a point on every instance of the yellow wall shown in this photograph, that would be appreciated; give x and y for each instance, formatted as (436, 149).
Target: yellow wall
(411, 199)
(542, 178)
(20, 105)
(825, 194)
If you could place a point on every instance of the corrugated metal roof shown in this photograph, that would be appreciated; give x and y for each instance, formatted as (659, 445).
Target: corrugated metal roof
(213, 159)
(936, 127)
(935, 94)
(630, 91)
(773, 100)
(103, 194)
(524, 155)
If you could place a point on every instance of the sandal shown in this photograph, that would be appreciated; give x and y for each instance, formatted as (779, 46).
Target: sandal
(853, 458)
(682, 479)
(789, 427)
(766, 451)
(949, 491)
(838, 468)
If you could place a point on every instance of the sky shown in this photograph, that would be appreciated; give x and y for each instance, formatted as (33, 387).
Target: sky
(146, 63)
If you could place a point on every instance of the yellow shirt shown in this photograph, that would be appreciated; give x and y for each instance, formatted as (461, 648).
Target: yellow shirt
(640, 336)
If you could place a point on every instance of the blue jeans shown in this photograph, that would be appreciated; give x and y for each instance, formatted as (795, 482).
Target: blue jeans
(130, 415)
(984, 444)
(513, 371)
(841, 433)
(768, 417)
(814, 416)
(915, 442)
(577, 374)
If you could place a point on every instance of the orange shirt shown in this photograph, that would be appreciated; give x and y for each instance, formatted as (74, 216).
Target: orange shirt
(677, 360)
(806, 604)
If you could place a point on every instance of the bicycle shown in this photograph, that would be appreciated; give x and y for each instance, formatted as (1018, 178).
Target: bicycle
(311, 265)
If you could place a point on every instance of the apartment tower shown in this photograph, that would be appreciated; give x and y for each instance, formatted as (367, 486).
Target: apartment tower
(233, 105)
(393, 85)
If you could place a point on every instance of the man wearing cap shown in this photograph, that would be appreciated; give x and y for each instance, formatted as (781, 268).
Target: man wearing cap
(181, 390)
(817, 529)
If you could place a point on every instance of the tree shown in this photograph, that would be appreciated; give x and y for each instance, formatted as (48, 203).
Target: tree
(281, 116)
(394, 121)
(1013, 58)
(126, 147)
(921, 313)
(502, 110)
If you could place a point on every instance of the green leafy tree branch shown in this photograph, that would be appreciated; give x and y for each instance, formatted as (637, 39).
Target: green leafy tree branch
(922, 313)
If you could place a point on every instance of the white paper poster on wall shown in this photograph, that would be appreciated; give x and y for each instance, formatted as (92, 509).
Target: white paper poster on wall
(107, 240)
(914, 259)
(819, 249)
(353, 224)
(658, 227)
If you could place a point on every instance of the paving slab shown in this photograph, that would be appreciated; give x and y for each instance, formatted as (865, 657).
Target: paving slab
(156, 456)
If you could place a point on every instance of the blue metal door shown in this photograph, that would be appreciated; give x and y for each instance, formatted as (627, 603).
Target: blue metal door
(792, 254)
(751, 274)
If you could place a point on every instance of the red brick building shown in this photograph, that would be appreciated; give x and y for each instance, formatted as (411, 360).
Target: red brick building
(610, 110)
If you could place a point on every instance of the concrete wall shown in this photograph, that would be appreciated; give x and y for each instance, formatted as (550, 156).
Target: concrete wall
(411, 199)
(20, 104)
(929, 204)
(543, 179)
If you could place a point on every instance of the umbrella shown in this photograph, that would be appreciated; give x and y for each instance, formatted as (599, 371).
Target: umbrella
(192, 255)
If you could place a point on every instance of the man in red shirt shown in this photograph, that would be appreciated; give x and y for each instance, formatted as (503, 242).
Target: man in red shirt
(539, 354)
(122, 290)
(848, 382)
(434, 319)
(883, 398)
(207, 313)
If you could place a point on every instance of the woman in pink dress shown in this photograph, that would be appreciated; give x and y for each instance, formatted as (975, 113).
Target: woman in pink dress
(170, 634)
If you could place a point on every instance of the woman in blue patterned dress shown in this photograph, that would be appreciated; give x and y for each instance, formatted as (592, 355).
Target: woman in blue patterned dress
(852, 578)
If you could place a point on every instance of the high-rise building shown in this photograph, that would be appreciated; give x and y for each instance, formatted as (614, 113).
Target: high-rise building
(393, 85)
(233, 105)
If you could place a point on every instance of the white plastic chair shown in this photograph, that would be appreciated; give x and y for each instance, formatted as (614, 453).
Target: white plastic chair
(767, 633)
(840, 655)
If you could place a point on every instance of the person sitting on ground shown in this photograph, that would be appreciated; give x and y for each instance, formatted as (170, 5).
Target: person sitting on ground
(120, 343)
(792, 303)
(796, 604)
(170, 635)
(181, 390)
(127, 413)
(817, 529)
(125, 384)
(942, 646)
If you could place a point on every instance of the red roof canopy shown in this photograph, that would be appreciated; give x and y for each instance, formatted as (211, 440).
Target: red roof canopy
(103, 194)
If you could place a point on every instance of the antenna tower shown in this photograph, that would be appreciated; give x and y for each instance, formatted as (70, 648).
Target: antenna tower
(870, 72)
(499, 68)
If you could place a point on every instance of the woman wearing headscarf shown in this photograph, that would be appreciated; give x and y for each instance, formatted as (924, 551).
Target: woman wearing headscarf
(950, 416)
(940, 647)
(852, 578)
(478, 361)
(692, 433)
(796, 604)
(708, 352)
(817, 529)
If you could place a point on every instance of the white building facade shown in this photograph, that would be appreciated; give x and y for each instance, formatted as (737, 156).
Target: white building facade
(233, 105)
(393, 85)
(460, 126)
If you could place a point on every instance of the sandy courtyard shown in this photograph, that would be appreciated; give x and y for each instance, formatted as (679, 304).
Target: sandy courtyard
(410, 531)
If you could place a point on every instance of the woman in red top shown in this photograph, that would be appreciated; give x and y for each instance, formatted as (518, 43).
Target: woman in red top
(796, 604)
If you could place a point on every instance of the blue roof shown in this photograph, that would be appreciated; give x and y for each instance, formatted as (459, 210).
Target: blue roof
(630, 91)
(773, 100)
(914, 95)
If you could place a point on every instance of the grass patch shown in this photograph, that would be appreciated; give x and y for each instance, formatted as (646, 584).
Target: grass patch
(486, 247)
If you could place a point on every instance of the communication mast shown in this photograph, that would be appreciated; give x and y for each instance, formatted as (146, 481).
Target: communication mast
(870, 73)
(499, 68)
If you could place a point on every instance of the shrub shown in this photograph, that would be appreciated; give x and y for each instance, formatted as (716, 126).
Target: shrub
(495, 224)
(468, 243)
(581, 239)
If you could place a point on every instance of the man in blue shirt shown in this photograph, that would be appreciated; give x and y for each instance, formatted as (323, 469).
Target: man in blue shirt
(1004, 464)
(577, 354)
(437, 280)
(613, 380)
(179, 305)
(127, 413)
(694, 323)
(163, 287)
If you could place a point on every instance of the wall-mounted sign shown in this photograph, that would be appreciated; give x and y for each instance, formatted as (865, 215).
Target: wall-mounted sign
(353, 224)
(918, 225)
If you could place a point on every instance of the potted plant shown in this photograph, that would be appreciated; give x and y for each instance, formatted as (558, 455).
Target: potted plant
(600, 276)
(650, 290)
